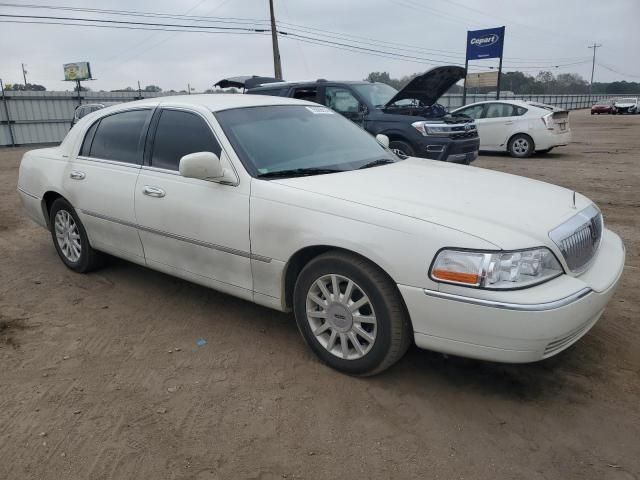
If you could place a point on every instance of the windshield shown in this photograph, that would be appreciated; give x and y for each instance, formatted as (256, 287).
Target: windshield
(278, 138)
(377, 94)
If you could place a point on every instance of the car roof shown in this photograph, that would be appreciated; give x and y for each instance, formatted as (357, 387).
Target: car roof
(214, 102)
(271, 86)
(522, 103)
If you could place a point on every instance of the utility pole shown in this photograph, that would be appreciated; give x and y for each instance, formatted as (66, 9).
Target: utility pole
(24, 75)
(593, 65)
(277, 67)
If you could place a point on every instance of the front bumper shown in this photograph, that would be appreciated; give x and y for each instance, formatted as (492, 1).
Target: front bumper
(448, 149)
(521, 325)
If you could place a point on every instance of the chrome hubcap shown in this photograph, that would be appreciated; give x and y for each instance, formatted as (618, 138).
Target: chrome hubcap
(341, 316)
(68, 236)
(521, 146)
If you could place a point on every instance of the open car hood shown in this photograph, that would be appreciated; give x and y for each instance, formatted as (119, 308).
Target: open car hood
(430, 86)
(245, 81)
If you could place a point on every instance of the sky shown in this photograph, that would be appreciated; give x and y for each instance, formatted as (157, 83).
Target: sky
(540, 34)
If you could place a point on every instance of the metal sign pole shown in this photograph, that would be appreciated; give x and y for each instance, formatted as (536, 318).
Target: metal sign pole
(499, 78)
(6, 112)
(464, 88)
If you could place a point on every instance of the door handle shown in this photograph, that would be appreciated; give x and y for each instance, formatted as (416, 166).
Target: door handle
(77, 175)
(154, 192)
(508, 123)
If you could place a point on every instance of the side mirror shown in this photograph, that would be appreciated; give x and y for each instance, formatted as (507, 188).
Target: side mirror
(383, 140)
(201, 165)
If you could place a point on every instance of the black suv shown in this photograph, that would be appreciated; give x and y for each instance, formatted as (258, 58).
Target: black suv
(415, 124)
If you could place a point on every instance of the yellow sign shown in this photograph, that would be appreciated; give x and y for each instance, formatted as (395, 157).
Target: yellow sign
(77, 71)
(484, 79)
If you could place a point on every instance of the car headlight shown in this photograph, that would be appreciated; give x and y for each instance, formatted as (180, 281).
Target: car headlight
(427, 129)
(495, 270)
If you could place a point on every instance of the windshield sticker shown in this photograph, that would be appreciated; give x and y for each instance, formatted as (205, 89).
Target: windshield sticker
(320, 110)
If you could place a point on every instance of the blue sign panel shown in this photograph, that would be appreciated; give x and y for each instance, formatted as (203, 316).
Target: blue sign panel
(485, 43)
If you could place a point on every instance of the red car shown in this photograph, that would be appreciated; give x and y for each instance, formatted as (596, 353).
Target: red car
(606, 106)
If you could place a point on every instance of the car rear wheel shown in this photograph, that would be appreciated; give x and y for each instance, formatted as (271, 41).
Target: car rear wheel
(70, 238)
(403, 147)
(521, 146)
(351, 314)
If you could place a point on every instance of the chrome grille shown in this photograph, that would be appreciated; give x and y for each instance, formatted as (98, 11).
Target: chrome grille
(579, 237)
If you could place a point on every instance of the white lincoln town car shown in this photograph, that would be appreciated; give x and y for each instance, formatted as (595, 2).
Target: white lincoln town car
(287, 204)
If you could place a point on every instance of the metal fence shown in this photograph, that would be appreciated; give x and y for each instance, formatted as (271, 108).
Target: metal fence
(45, 117)
(568, 102)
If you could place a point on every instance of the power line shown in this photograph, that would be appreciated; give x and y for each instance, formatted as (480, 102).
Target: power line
(606, 67)
(124, 27)
(128, 22)
(289, 26)
(206, 28)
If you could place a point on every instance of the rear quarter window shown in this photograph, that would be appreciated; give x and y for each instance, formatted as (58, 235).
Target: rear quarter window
(118, 137)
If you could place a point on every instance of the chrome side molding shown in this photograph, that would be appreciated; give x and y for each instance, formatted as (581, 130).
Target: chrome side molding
(193, 241)
(523, 307)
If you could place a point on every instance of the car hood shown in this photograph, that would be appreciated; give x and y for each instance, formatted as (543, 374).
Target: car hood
(430, 86)
(506, 210)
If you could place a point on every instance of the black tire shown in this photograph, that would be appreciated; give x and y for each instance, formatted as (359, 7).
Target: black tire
(403, 147)
(393, 332)
(592, 113)
(88, 259)
(516, 146)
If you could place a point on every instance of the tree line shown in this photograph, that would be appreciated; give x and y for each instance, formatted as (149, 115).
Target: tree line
(545, 82)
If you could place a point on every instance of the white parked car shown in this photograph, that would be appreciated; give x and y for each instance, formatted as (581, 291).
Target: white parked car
(627, 105)
(518, 127)
(288, 204)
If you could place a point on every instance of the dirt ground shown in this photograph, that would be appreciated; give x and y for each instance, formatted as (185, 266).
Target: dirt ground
(101, 376)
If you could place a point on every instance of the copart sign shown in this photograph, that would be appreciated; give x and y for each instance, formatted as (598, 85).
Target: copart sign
(485, 43)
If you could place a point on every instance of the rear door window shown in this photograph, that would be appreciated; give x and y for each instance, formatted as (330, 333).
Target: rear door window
(119, 136)
(499, 110)
(180, 133)
(306, 93)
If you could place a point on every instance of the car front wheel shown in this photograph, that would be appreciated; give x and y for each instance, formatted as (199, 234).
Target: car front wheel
(521, 146)
(402, 147)
(351, 314)
(70, 238)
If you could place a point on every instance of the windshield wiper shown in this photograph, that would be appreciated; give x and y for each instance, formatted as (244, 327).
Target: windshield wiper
(298, 172)
(375, 163)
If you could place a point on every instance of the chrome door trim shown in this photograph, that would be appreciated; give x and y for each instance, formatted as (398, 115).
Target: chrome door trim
(523, 307)
(193, 241)
(109, 162)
